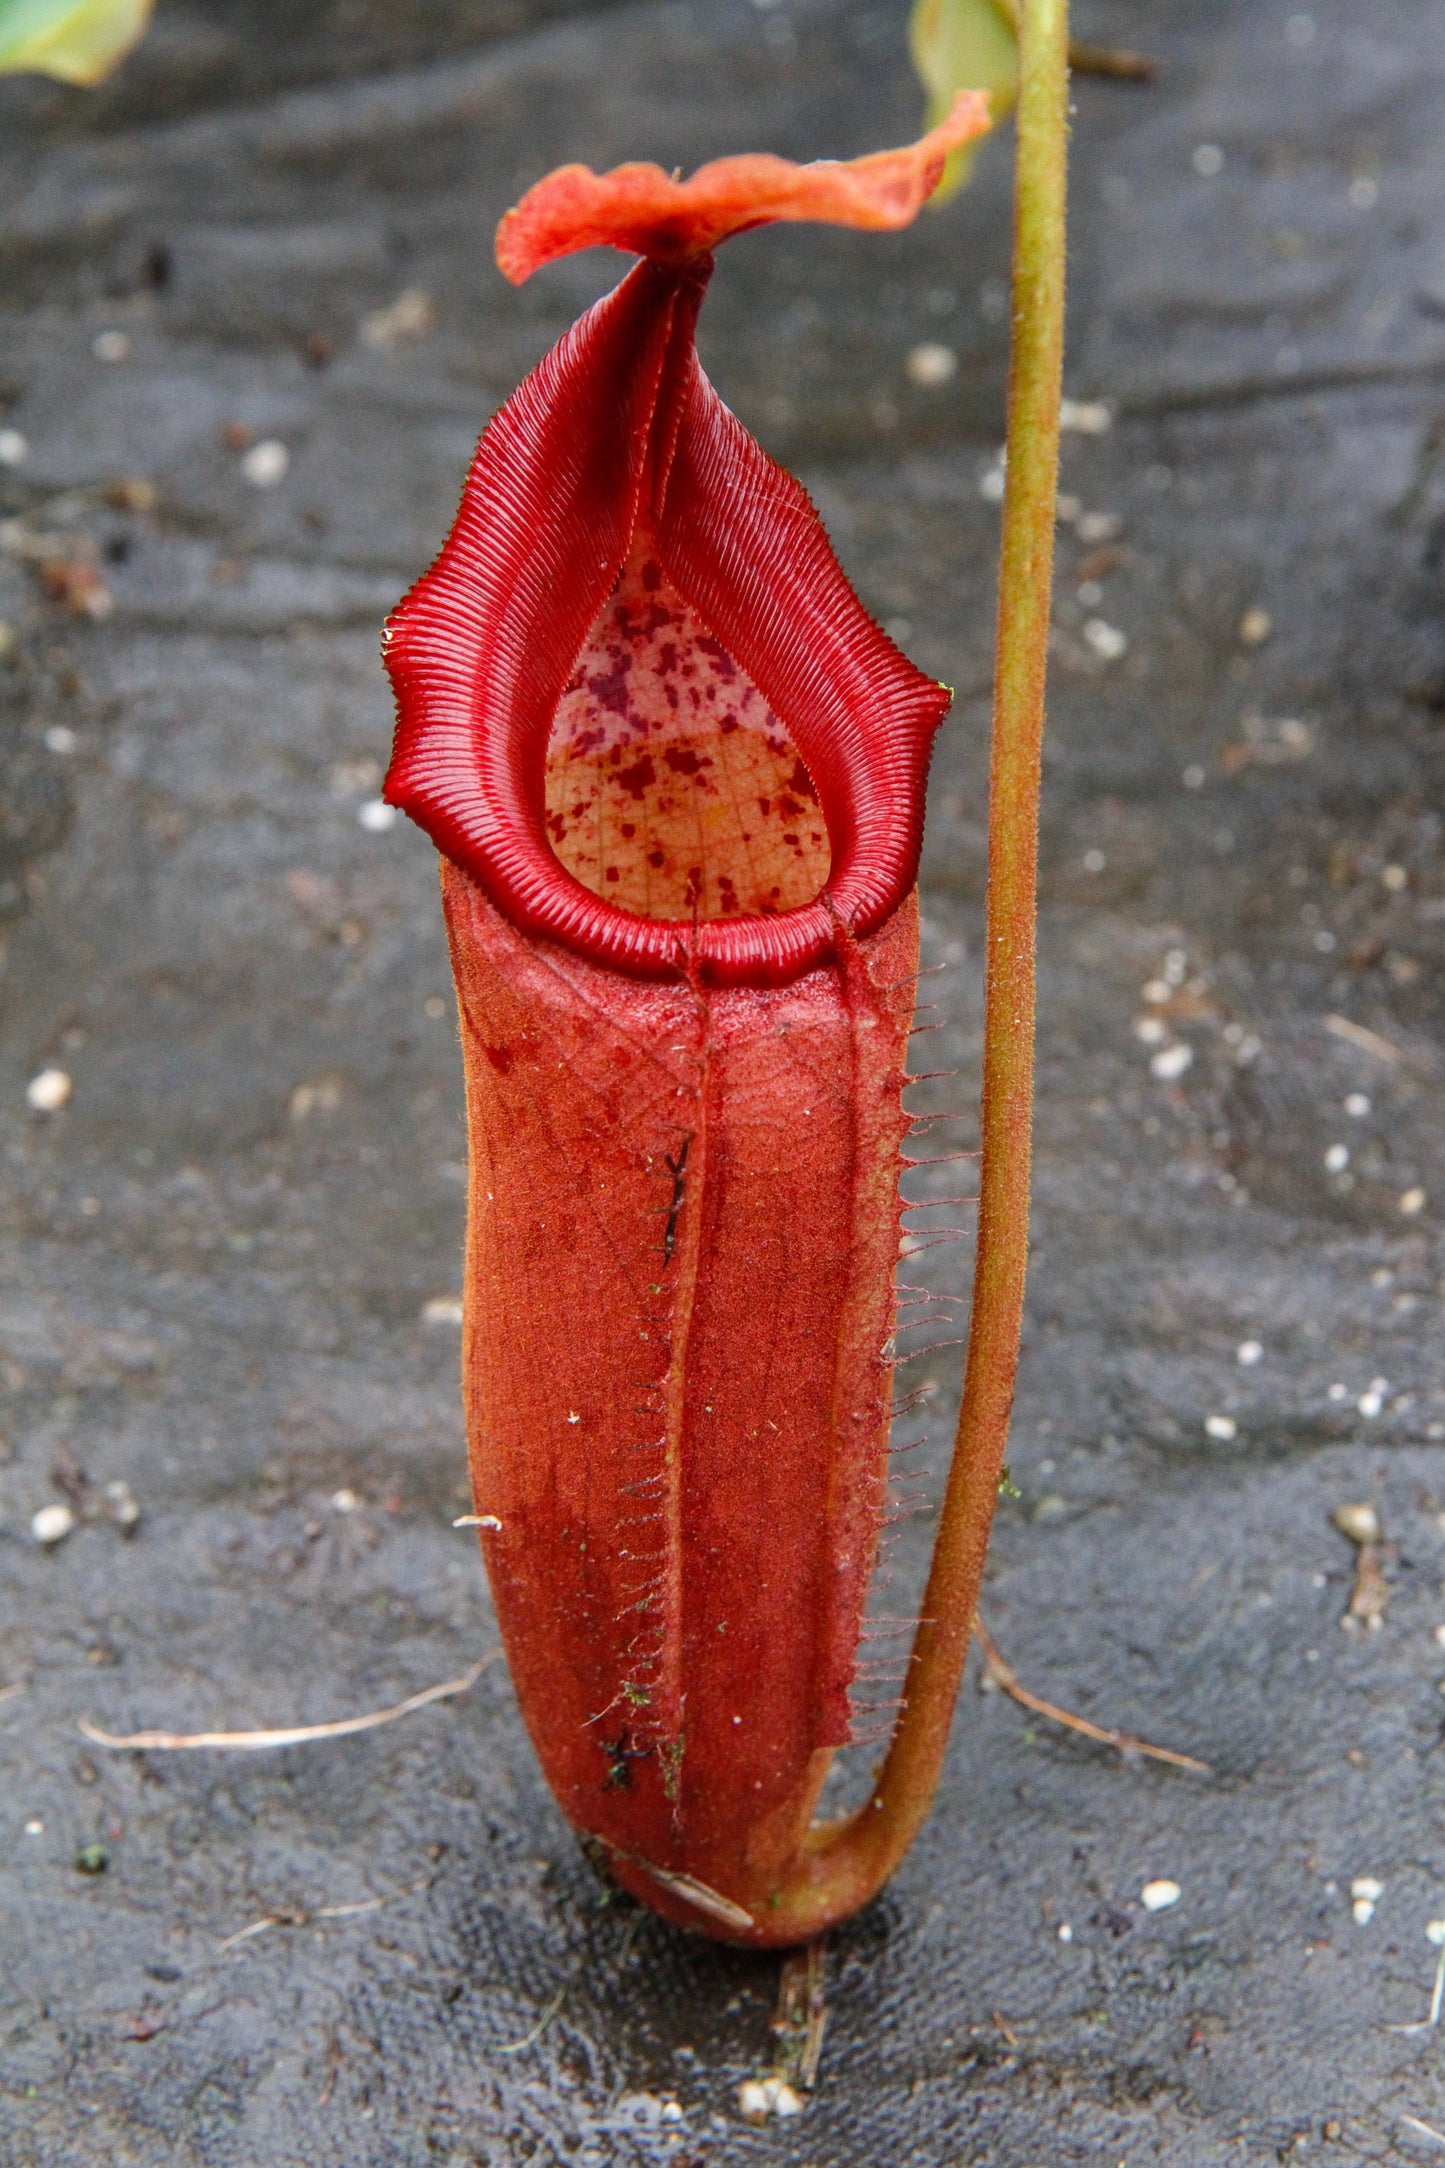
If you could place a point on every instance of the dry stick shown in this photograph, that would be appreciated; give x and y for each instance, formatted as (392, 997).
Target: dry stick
(844, 1864)
(1006, 1680)
(169, 1742)
(1111, 60)
(1114, 61)
(801, 2018)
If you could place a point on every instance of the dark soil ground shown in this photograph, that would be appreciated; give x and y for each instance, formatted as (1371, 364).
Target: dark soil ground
(217, 1258)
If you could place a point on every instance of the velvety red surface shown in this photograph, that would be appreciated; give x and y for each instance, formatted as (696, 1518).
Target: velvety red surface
(683, 1229)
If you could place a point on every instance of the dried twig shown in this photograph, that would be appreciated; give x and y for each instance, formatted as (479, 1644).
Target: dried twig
(1360, 1525)
(1115, 61)
(164, 1742)
(515, 2047)
(298, 1918)
(801, 2018)
(1005, 1680)
(1426, 2130)
(1368, 1042)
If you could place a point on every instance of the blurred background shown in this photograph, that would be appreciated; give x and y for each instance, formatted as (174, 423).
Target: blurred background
(251, 328)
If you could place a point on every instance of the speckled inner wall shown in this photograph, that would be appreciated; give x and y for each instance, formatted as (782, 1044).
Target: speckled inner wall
(227, 1260)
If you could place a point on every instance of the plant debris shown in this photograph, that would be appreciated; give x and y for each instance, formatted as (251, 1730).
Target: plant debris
(1001, 1675)
(1360, 1524)
(166, 1742)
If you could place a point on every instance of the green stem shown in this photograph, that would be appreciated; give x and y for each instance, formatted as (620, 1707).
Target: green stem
(849, 1861)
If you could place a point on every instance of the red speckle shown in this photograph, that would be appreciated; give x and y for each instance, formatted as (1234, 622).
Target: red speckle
(610, 691)
(802, 783)
(765, 806)
(501, 1058)
(652, 576)
(656, 858)
(629, 830)
(682, 761)
(727, 669)
(638, 778)
(613, 874)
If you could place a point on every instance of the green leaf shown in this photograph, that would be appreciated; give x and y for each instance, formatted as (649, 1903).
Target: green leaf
(964, 45)
(77, 41)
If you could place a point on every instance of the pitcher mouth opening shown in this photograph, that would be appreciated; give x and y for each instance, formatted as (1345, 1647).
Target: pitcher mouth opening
(673, 791)
(638, 701)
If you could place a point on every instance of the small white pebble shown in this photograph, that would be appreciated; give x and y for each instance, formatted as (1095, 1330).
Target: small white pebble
(1094, 861)
(1170, 1063)
(1370, 1403)
(1248, 1353)
(990, 485)
(266, 463)
(1106, 640)
(1156, 990)
(1358, 1521)
(1099, 526)
(1358, 1105)
(1067, 508)
(35, 1827)
(931, 364)
(442, 1310)
(752, 2100)
(1176, 963)
(376, 816)
(1208, 160)
(1159, 1896)
(410, 316)
(1411, 1202)
(344, 1501)
(1395, 878)
(1365, 1894)
(1337, 1158)
(48, 1092)
(14, 447)
(758, 2098)
(671, 2112)
(111, 346)
(1338, 1392)
(1435, 1932)
(1192, 777)
(1299, 32)
(1255, 627)
(1440, 1637)
(1085, 417)
(61, 739)
(1091, 593)
(1152, 1030)
(120, 1506)
(1066, 1932)
(1221, 1426)
(52, 1524)
(1363, 192)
